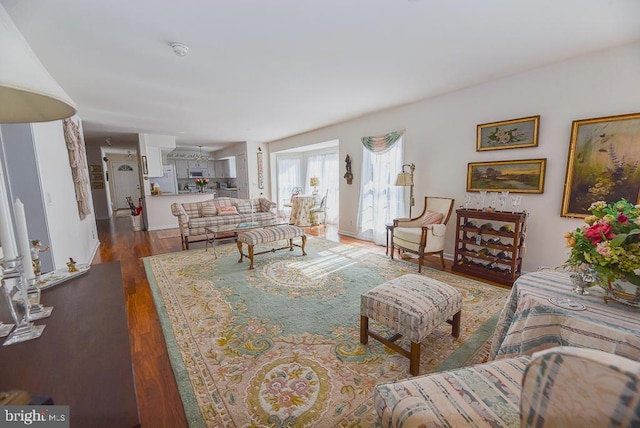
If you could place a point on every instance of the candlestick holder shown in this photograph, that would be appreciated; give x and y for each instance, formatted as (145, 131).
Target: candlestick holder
(14, 286)
(36, 310)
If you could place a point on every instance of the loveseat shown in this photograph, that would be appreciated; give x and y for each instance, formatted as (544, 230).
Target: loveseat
(558, 387)
(193, 217)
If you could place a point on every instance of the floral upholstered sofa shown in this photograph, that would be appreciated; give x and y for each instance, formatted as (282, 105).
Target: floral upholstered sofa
(193, 217)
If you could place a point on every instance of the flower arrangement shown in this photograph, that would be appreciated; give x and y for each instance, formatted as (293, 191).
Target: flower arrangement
(608, 242)
(201, 182)
(504, 136)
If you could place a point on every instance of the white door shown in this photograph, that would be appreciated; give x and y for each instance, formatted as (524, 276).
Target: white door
(124, 176)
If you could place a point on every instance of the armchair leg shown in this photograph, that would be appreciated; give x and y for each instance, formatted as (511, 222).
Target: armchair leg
(442, 259)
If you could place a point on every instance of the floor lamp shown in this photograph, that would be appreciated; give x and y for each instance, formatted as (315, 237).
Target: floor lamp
(406, 179)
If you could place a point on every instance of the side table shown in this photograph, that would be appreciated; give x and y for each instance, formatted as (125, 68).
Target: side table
(389, 232)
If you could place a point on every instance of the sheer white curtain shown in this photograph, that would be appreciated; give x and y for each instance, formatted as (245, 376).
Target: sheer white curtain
(289, 171)
(380, 199)
(325, 166)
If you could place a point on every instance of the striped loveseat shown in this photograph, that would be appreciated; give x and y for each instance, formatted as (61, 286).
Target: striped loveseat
(559, 387)
(193, 217)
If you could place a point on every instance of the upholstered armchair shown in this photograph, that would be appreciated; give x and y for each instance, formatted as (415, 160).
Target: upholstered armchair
(425, 234)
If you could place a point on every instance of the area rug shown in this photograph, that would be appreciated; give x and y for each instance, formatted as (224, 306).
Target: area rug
(279, 345)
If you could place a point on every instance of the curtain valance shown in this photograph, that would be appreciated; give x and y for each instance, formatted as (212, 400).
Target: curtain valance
(382, 143)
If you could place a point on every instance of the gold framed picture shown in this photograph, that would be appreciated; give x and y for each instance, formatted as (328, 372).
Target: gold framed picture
(604, 155)
(516, 176)
(97, 185)
(508, 134)
(95, 168)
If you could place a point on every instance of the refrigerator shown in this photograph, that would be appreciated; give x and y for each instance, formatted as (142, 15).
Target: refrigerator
(168, 183)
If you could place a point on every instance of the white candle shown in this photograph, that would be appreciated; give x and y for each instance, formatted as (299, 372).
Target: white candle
(7, 237)
(24, 245)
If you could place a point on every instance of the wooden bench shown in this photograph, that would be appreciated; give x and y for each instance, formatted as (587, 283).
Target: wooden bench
(270, 234)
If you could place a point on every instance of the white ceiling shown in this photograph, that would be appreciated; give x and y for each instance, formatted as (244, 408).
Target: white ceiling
(262, 70)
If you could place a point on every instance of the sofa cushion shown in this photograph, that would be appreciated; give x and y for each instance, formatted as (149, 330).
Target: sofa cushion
(246, 206)
(208, 209)
(227, 210)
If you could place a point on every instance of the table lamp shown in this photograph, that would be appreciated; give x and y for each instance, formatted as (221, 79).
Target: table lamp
(315, 182)
(406, 179)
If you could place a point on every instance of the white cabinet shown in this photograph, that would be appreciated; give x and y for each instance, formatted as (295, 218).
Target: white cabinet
(154, 162)
(226, 193)
(182, 168)
(197, 164)
(225, 168)
(211, 167)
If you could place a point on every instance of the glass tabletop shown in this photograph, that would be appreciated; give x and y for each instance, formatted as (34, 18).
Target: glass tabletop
(237, 227)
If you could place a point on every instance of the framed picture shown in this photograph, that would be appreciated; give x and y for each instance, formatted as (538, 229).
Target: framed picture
(97, 185)
(604, 155)
(517, 176)
(95, 168)
(145, 167)
(260, 170)
(508, 134)
(96, 176)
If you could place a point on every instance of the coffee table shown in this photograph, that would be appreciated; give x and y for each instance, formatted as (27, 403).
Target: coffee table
(214, 232)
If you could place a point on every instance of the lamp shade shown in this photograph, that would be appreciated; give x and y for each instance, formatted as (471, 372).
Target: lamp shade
(315, 181)
(404, 179)
(28, 93)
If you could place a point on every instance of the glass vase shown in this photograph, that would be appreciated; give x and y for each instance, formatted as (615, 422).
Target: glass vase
(14, 286)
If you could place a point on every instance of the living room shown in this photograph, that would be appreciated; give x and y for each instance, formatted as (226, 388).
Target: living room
(439, 138)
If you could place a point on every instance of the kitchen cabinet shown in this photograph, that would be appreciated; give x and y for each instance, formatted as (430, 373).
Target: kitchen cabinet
(182, 168)
(227, 193)
(490, 245)
(154, 162)
(197, 164)
(225, 168)
(211, 167)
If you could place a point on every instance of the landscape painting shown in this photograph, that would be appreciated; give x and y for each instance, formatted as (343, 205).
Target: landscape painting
(603, 163)
(518, 176)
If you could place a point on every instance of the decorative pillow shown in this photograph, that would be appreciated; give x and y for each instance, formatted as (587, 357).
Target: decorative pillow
(207, 209)
(227, 210)
(431, 217)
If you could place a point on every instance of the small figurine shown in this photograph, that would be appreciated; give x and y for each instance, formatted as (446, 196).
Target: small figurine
(36, 249)
(348, 175)
(72, 265)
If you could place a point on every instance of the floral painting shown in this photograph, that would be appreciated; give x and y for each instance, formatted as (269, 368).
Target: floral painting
(508, 134)
(518, 176)
(603, 163)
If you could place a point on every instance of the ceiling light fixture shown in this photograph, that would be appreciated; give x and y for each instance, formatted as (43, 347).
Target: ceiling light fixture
(179, 49)
(200, 157)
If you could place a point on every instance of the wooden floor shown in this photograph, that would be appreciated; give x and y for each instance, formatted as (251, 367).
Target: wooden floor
(158, 398)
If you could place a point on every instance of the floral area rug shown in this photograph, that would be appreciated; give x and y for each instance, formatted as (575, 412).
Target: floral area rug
(278, 346)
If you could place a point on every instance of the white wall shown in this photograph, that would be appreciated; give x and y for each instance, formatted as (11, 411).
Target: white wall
(70, 236)
(441, 135)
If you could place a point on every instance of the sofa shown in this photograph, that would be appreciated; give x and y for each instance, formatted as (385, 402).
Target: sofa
(193, 217)
(558, 387)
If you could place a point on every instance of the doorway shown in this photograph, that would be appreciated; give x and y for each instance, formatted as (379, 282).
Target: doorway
(125, 182)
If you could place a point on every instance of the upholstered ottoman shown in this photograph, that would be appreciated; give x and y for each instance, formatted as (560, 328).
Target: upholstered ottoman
(270, 234)
(412, 306)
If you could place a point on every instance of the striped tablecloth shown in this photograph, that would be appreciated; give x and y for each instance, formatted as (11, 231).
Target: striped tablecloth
(529, 322)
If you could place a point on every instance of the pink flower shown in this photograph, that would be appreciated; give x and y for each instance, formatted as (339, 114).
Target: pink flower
(603, 249)
(623, 219)
(597, 231)
(300, 386)
(286, 399)
(276, 385)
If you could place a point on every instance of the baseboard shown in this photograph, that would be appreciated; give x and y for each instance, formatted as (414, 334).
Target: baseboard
(163, 227)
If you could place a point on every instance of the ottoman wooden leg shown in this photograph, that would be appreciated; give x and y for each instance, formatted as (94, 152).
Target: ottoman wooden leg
(304, 242)
(290, 244)
(239, 244)
(250, 256)
(364, 329)
(455, 325)
(414, 359)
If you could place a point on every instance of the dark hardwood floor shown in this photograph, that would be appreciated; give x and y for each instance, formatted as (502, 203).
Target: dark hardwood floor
(158, 398)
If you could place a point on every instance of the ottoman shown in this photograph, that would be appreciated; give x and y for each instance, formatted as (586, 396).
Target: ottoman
(411, 305)
(270, 234)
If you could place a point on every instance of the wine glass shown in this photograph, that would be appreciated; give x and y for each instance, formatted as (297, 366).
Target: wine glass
(480, 199)
(468, 198)
(504, 196)
(515, 201)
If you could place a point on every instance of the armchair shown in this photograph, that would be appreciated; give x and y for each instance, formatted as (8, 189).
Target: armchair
(424, 234)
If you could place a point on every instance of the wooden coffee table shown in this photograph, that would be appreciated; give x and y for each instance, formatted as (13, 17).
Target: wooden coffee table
(231, 230)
